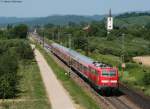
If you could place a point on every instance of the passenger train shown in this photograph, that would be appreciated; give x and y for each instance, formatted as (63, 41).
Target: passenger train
(100, 75)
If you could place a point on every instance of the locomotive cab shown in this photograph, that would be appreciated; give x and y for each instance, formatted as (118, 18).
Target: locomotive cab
(108, 77)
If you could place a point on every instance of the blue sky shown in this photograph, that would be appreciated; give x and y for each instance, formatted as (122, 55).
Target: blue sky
(39, 8)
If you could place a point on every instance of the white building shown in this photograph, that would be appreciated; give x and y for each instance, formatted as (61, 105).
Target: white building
(109, 22)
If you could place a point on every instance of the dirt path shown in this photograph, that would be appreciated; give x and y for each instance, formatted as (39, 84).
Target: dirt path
(57, 95)
(144, 59)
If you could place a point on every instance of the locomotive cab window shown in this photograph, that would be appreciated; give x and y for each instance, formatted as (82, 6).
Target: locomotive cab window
(112, 73)
(96, 73)
(109, 73)
(105, 73)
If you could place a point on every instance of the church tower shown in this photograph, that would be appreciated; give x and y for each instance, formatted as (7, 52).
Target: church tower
(109, 22)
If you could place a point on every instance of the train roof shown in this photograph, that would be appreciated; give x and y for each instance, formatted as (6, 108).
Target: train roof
(80, 57)
(75, 54)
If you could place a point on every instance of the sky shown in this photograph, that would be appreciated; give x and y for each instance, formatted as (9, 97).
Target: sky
(41, 8)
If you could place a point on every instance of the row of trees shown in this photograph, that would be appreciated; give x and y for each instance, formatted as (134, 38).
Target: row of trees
(133, 14)
(12, 51)
(11, 32)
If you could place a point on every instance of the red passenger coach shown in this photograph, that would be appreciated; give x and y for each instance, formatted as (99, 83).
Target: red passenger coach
(98, 74)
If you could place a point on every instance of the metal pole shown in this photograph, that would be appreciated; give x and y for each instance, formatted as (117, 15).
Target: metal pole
(43, 39)
(69, 56)
(123, 50)
(58, 36)
(53, 36)
(87, 36)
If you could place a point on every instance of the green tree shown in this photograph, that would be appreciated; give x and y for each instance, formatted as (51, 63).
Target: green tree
(20, 31)
(9, 78)
(24, 51)
(146, 78)
(80, 43)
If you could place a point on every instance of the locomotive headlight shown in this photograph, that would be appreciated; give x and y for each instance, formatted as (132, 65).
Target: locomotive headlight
(113, 81)
(105, 81)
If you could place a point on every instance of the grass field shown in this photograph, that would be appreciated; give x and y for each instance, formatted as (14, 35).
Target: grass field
(80, 97)
(32, 95)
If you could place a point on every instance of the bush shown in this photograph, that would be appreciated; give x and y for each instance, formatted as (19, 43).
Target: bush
(20, 47)
(131, 65)
(146, 79)
(20, 31)
(25, 51)
(12, 51)
(9, 78)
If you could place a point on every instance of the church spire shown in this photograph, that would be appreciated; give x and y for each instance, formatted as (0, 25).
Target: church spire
(109, 22)
(110, 13)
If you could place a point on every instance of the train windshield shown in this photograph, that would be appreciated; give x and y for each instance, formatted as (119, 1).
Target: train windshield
(109, 73)
(112, 73)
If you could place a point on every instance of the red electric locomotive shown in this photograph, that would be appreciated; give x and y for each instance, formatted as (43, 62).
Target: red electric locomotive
(99, 74)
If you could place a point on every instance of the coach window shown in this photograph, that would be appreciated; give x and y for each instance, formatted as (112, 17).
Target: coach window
(85, 69)
(96, 73)
(80, 67)
(93, 71)
(73, 62)
(90, 69)
(78, 64)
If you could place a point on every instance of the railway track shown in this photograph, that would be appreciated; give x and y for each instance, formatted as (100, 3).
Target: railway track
(137, 97)
(120, 103)
(107, 102)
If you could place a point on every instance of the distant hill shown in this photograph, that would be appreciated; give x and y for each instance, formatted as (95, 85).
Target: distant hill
(12, 20)
(55, 19)
(134, 18)
(121, 20)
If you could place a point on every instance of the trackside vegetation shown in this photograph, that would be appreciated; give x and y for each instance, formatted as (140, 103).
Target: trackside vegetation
(13, 48)
(21, 86)
(11, 52)
(32, 94)
(78, 94)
